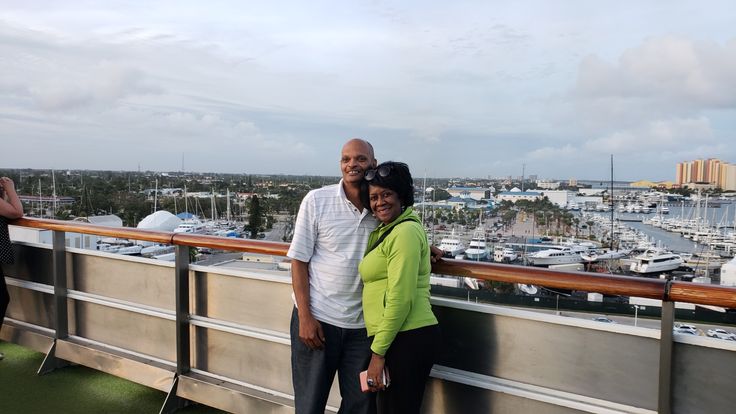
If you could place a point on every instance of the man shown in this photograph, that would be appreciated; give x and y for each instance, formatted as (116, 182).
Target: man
(327, 330)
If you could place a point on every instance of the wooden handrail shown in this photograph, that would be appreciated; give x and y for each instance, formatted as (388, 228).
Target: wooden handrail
(231, 243)
(590, 282)
(703, 294)
(86, 228)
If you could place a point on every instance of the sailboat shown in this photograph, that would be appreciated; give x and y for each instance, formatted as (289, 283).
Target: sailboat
(190, 223)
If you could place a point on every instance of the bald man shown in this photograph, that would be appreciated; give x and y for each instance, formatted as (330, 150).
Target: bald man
(328, 334)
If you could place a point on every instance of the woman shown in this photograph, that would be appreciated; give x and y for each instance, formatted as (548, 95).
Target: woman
(395, 272)
(10, 208)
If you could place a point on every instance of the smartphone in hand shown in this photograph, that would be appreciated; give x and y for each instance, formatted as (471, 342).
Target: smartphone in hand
(364, 381)
(385, 379)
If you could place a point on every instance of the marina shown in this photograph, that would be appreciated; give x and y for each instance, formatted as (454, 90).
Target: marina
(691, 242)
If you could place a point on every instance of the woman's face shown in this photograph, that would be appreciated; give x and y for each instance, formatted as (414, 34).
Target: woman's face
(385, 203)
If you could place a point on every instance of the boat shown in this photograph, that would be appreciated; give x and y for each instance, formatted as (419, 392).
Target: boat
(190, 225)
(130, 250)
(656, 261)
(504, 254)
(604, 254)
(704, 261)
(157, 249)
(107, 247)
(452, 246)
(477, 248)
(563, 255)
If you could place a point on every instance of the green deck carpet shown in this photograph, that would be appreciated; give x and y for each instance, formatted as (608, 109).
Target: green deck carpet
(73, 390)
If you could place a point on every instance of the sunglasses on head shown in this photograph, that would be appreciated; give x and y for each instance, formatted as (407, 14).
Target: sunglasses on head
(382, 171)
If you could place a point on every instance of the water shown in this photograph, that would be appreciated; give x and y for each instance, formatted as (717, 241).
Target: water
(722, 215)
(672, 241)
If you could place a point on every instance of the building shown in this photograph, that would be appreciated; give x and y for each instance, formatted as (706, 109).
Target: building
(515, 195)
(561, 198)
(547, 184)
(727, 178)
(710, 173)
(476, 193)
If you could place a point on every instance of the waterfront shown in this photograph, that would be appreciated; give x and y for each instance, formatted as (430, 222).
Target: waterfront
(721, 217)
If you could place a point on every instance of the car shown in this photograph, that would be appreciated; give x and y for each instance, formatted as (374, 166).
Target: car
(685, 329)
(603, 319)
(721, 334)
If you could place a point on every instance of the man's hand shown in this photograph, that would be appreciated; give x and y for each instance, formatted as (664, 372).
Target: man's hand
(310, 332)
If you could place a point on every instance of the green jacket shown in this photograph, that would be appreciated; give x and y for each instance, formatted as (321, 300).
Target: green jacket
(396, 281)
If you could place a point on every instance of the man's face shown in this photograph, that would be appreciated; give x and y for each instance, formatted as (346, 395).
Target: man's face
(355, 160)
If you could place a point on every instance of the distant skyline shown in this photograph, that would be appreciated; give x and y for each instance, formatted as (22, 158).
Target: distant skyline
(455, 89)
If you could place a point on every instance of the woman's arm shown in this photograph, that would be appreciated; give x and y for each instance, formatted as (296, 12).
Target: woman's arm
(10, 205)
(403, 251)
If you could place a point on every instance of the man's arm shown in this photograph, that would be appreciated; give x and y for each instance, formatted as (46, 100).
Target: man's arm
(310, 330)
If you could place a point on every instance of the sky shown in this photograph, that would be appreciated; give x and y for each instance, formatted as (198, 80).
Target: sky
(455, 89)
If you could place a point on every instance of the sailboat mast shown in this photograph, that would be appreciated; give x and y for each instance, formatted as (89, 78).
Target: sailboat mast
(40, 198)
(424, 198)
(212, 202)
(186, 201)
(612, 205)
(228, 205)
(53, 193)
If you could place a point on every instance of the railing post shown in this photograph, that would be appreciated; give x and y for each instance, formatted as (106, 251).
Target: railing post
(183, 349)
(61, 315)
(664, 403)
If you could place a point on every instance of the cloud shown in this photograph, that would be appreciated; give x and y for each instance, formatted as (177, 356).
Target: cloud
(655, 136)
(102, 85)
(663, 77)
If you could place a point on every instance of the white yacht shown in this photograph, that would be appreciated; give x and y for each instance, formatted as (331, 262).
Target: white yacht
(564, 255)
(655, 261)
(452, 246)
(477, 248)
(504, 254)
(191, 225)
(604, 254)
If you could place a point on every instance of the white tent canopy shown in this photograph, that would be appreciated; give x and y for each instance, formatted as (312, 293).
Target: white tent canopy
(161, 220)
(109, 220)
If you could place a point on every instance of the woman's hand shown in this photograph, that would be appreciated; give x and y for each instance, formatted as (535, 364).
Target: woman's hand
(435, 254)
(375, 373)
(7, 184)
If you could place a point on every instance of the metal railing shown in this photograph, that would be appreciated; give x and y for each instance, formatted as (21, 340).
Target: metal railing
(186, 321)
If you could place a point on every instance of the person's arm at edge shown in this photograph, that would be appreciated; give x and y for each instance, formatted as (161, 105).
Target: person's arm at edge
(310, 330)
(12, 208)
(435, 253)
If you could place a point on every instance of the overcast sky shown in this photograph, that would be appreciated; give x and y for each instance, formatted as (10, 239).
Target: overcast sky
(456, 89)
